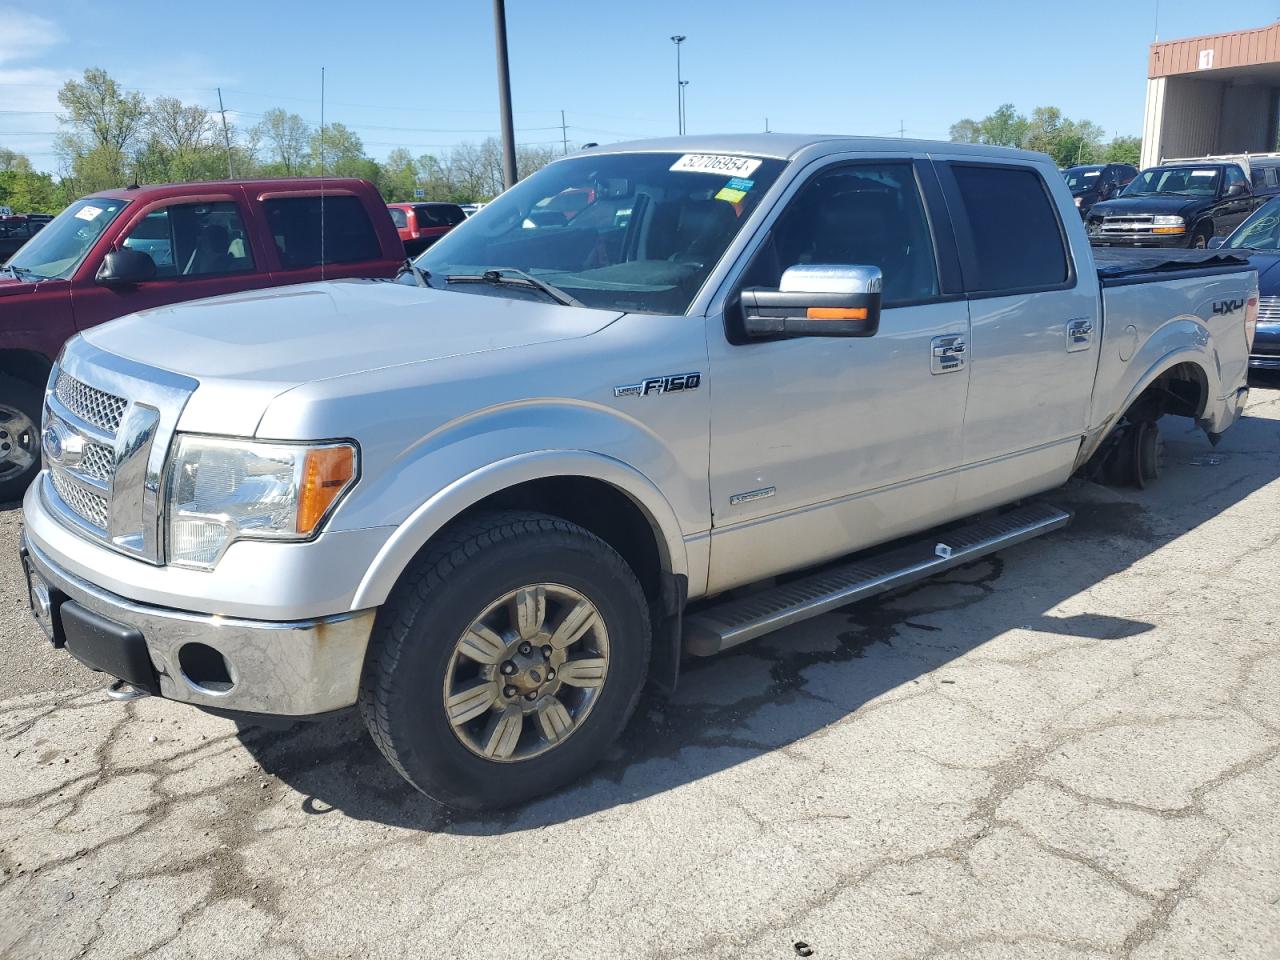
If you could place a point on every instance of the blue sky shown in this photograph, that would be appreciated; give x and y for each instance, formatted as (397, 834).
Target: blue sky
(422, 74)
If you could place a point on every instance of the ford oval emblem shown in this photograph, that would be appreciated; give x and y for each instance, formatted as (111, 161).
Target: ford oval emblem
(52, 442)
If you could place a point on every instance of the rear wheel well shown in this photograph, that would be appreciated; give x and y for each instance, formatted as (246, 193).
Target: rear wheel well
(1182, 391)
(26, 365)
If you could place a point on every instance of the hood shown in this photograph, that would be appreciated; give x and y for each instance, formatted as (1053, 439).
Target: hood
(1167, 204)
(246, 349)
(11, 286)
(297, 334)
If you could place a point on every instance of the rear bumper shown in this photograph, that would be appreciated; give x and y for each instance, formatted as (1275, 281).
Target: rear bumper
(287, 668)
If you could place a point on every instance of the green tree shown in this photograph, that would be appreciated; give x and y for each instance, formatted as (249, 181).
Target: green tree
(337, 151)
(399, 175)
(104, 126)
(12, 160)
(27, 191)
(1123, 150)
(284, 138)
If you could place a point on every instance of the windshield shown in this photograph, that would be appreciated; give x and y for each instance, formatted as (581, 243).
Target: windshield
(1180, 181)
(636, 232)
(1261, 231)
(1080, 179)
(57, 250)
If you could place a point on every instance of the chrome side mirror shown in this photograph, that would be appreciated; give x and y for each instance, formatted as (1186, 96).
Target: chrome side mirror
(816, 300)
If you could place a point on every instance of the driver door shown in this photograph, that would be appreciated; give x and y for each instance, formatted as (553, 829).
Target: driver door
(823, 445)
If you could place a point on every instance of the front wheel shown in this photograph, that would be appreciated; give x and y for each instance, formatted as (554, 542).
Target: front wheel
(506, 661)
(1200, 239)
(20, 404)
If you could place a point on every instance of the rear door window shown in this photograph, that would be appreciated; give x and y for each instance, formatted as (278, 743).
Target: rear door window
(346, 235)
(1016, 240)
(399, 217)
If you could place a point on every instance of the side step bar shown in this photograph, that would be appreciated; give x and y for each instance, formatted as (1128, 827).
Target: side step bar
(728, 624)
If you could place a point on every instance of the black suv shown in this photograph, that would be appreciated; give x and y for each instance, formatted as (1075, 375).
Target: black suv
(1175, 205)
(1093, 182)
(15, 231)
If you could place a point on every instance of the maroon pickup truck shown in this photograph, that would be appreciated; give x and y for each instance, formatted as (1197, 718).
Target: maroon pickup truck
(121, 251)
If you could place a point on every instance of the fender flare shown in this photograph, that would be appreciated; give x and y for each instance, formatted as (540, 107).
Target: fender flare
(451, 500)
(1161, 366)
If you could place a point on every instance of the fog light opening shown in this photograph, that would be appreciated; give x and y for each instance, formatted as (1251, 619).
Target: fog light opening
(205, 668)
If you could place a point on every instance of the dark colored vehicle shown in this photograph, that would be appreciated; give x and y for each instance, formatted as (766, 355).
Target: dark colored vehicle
(15, 231)
(1259, 239)
(121, 251)
(1095, 182)
(422, 224)
(1175, 205)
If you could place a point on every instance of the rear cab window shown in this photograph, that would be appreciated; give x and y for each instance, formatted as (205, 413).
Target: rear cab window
(399, 217)
(302, 240)
(1016, 242)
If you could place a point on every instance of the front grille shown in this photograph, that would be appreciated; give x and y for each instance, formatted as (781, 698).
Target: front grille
(98, 462)
(88, 506)
(1127, 224)
(90, 404)
(1269, 309)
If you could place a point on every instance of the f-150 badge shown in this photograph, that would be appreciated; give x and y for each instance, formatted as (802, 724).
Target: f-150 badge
(674, 383)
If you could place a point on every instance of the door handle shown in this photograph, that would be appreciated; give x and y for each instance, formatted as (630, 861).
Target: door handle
(1079, 335)
(947, 353)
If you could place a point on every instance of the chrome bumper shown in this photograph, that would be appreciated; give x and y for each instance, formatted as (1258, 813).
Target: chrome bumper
(287, 668)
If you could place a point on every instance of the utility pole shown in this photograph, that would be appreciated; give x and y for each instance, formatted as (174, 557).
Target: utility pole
(902, 131)
(564, 133)
(677, 40)
(509, 174)
(226, 136)
(766, 124)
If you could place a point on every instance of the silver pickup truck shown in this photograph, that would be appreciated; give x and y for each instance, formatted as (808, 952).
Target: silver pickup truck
(645, 404)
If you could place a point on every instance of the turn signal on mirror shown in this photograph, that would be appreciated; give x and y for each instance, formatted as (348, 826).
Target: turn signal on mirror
(837, 313)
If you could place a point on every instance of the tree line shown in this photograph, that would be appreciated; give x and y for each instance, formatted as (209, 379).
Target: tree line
(112, 137)
(1048, 130)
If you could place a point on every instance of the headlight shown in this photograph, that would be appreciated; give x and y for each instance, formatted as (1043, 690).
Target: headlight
(224, 490)
(1169, 222)
(1077, 199)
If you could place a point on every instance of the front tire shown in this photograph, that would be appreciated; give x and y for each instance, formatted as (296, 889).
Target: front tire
(1200, 239)
(20, 407)
(506, 661)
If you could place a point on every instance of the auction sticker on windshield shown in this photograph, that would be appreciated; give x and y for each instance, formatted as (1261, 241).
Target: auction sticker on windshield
(88, 213)
(714, 163)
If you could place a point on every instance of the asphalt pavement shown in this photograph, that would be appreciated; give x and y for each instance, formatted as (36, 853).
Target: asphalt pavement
(1070, 750)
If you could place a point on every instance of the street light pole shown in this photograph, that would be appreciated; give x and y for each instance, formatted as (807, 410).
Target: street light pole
(677, 40)
(509, 175)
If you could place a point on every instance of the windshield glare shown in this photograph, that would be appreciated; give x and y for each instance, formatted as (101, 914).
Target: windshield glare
(617, 231)
(1261, 231)
(1183, 181)
(1080, 179)
(57, 250)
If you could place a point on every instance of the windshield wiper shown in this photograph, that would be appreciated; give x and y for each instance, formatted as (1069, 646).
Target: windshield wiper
(510, 275)
(420, 276)
(19, 271)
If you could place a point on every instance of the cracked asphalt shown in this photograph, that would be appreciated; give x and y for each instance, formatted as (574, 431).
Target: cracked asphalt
(1071, 750)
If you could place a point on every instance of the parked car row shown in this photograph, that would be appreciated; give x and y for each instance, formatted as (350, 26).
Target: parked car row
(1179, 203)
(422, 224)
(17, 229)
(639, 409)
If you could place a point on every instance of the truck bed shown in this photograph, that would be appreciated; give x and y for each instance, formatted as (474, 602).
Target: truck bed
(1121, 266)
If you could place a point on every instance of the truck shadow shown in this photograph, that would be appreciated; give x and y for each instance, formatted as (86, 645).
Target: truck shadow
(787, 686)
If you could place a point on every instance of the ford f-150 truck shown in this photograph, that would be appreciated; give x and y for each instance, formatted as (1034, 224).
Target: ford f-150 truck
(121, 251)
(486, 500)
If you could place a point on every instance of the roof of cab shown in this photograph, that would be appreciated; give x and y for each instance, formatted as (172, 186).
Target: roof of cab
(786, 146)
(283, 185)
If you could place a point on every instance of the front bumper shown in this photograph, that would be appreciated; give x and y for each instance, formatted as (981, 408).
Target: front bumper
(285, 668)
(1145, 239)
(1265, 354)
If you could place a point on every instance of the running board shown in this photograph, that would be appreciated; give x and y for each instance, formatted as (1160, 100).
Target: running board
(728, 624)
